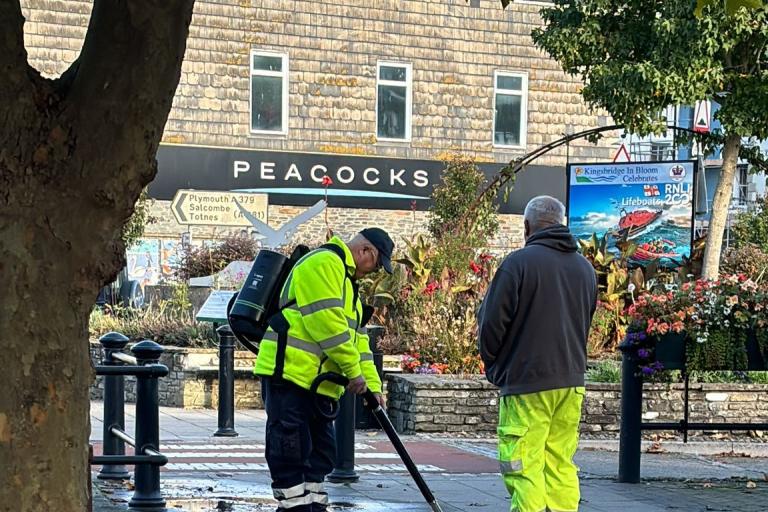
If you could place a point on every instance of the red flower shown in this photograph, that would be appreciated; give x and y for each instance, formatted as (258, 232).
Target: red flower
(486, 257)
(327, 181)
(475, 267)
(431, 288)
(413, 205)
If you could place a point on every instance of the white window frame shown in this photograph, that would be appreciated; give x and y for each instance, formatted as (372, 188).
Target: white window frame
(408, 96)
(284, 93)
(523, 106)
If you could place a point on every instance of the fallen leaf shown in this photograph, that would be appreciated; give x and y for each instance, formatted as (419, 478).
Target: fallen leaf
(751, 485)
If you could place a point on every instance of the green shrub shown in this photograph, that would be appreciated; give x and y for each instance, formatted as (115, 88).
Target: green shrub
(458, 234)
(747, 259)
(169, 322)
(752, 227)
(205, 261)
(605, 370)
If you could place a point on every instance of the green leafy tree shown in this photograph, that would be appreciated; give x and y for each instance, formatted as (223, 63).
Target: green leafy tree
(638, 57)
(731, 6)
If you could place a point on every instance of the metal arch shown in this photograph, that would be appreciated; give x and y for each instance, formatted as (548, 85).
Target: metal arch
(508, 171)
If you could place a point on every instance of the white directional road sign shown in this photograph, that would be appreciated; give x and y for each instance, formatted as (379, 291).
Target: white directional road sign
(204, 207)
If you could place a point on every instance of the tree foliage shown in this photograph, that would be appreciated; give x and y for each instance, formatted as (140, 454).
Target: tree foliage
(637, 57)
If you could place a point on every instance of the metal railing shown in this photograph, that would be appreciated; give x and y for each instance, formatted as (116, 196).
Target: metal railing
(147, 458)
(632, 424)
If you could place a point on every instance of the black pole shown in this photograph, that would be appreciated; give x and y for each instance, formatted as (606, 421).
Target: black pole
(226, 383)
(147, 495)
(389, 429)
(344, 469)
(114, 408)
(631, 415)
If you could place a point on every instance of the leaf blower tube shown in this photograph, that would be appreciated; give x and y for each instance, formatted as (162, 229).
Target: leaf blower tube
(381, 416)
(249, 311)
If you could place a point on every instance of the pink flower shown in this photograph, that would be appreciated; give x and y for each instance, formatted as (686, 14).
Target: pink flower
(431, 288)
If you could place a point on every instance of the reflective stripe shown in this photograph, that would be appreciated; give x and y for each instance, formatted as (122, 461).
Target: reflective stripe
(290, 492)
(295, 502)
(352, 323)
(314, 486)
(320, 498)
(335, 341)
(320, 305)
(510, 466)
(366, 357)
(305, 346)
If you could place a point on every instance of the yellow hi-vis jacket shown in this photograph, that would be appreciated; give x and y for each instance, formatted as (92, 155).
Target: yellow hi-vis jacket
(324, 334)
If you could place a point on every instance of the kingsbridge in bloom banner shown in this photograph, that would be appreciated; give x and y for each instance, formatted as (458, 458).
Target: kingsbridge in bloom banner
(648, 203)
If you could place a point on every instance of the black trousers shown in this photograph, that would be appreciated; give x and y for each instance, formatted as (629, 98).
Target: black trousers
(300, 445)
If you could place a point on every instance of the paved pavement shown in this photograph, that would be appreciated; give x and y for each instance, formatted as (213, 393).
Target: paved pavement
(215, 474)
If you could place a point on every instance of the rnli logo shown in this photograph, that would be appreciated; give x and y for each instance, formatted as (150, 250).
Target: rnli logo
(677, 173)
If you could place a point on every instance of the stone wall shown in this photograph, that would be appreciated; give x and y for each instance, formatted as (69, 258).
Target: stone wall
(425, 403)
(454, 47)
(192, 381)
(345, 222)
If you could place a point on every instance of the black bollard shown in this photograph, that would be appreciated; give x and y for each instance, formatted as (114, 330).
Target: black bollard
(114, 407)
(344, 469)
(147, 495)
(226, 383)
(631, 415)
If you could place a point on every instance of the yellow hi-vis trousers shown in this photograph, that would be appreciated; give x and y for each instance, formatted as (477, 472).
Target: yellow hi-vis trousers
(538, 437)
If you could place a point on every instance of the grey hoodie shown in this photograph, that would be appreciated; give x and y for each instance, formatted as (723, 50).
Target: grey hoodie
(534, 321)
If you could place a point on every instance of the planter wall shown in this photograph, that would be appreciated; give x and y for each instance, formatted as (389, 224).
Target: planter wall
(192, 381)
(428, 403)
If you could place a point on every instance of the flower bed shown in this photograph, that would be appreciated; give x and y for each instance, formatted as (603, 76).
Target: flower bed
(706, 325)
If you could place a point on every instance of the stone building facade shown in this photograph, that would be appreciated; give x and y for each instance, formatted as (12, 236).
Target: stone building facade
(276, 94)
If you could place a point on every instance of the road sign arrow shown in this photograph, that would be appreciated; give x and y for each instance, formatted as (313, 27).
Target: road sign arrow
(177, 209)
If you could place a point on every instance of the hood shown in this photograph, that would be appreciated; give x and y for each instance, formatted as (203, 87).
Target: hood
(555, 237)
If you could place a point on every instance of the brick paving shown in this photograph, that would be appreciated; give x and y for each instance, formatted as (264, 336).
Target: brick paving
(213, 474)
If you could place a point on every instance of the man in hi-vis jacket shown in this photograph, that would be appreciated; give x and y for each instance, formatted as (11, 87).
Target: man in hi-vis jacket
(322, 331)
(533, 327)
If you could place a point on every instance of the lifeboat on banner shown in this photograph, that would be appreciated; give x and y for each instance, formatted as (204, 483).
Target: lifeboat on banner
(633, 223)
(655, 250)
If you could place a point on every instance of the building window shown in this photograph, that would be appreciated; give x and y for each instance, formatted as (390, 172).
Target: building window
(510, 109)
(393, 101)
(269, 92)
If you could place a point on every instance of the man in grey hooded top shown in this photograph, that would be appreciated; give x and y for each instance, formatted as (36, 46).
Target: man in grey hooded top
(532, 328)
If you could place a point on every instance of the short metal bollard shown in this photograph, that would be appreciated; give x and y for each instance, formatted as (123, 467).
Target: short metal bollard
(147, 495)
(226, 382)
(344, 469)
(114, 408)
(631, 416)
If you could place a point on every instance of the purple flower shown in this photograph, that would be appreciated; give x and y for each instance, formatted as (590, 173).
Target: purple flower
(647, 370)
(643, 353)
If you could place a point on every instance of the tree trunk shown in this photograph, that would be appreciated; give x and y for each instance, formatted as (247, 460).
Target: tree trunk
(720, 206)
(75, 154)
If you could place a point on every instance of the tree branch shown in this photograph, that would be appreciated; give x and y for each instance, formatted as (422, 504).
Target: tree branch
(13, 56)
(122, 86)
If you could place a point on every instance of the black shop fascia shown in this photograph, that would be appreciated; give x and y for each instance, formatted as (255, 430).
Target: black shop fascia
(296, 179)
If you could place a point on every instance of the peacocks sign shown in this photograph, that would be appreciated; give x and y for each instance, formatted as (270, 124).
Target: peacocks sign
(298, 179)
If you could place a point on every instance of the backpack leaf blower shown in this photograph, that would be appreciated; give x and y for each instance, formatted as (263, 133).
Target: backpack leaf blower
(249, 311)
